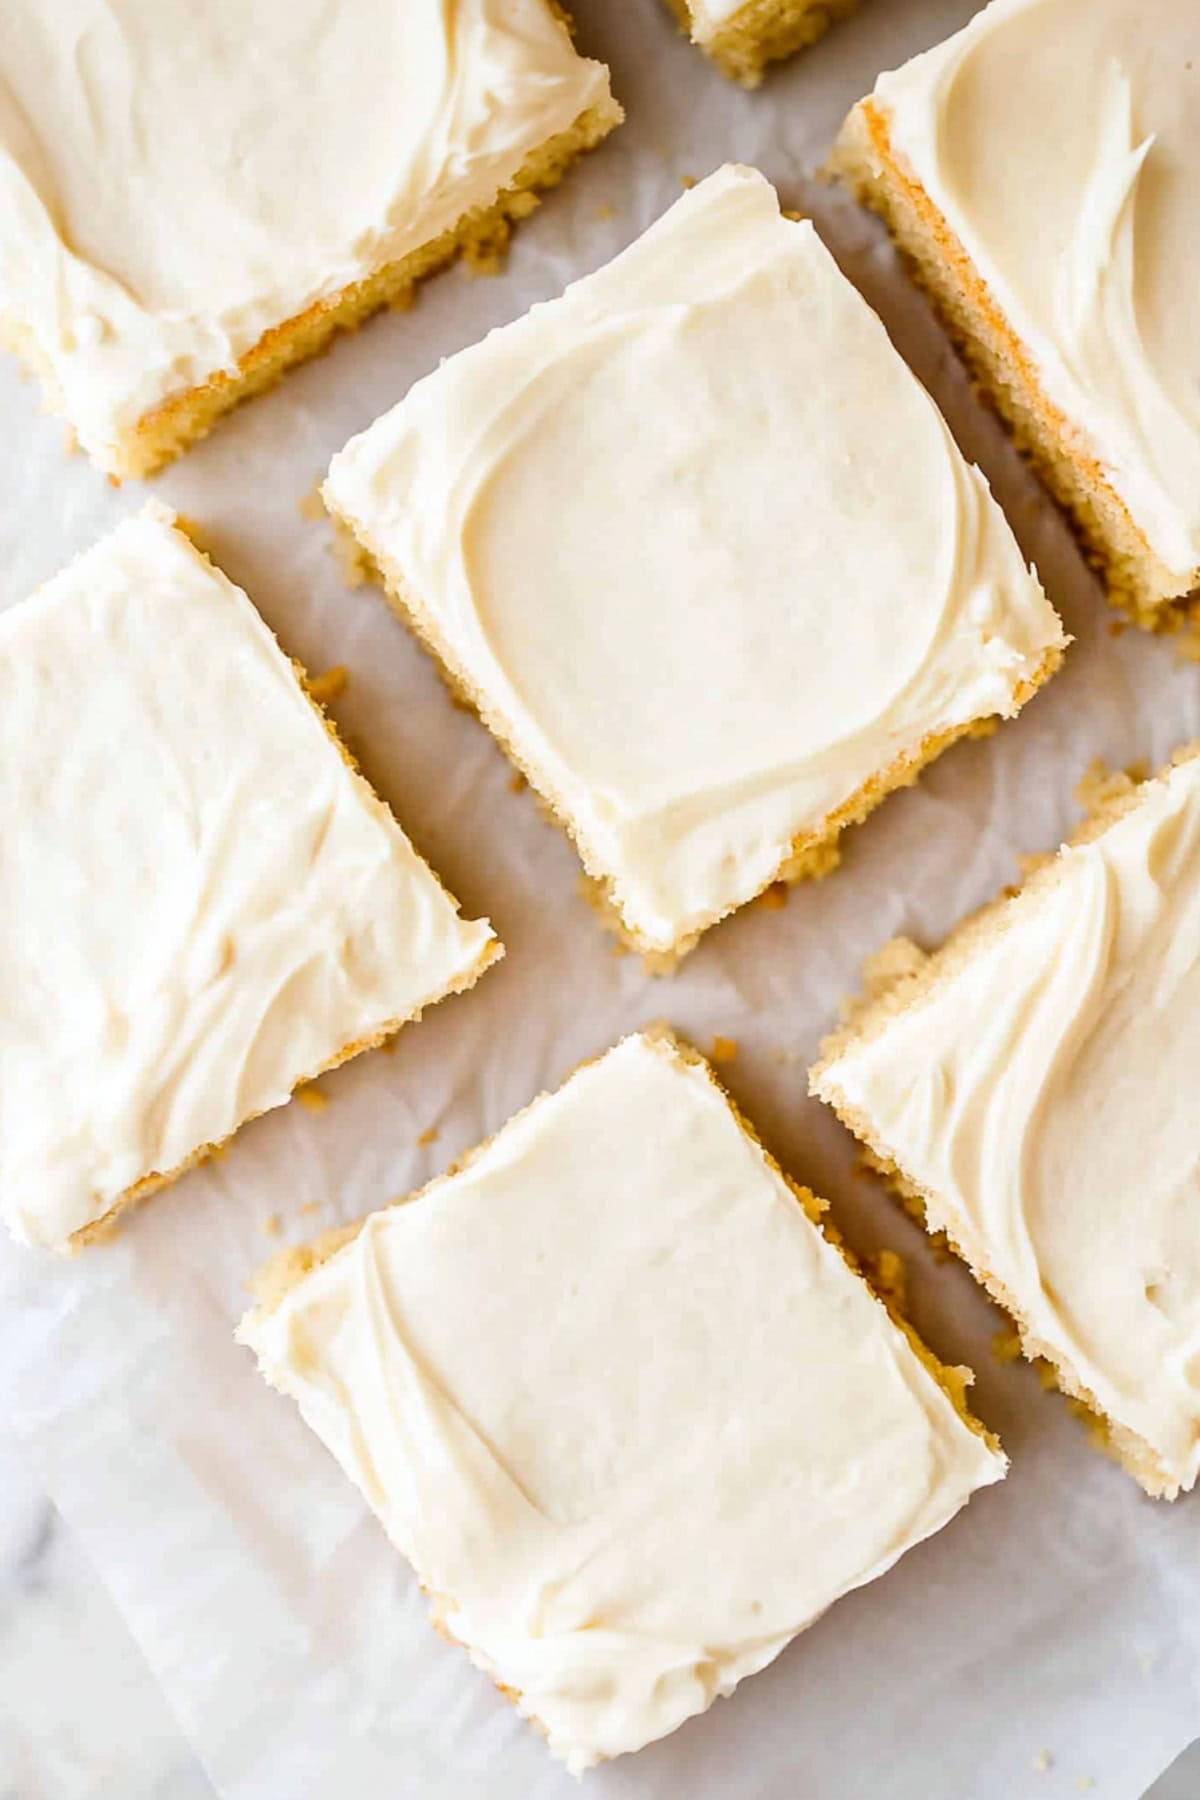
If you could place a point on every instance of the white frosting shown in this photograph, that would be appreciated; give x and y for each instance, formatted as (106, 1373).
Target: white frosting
(1044, 1096)
(703, 547)
(1061, 141)
(708, 16)
(200, 903)
(631, 1417)
(175, 181)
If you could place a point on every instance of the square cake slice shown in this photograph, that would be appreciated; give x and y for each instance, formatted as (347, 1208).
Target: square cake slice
(202, 903)
(1033, 1084)
(703, 554)
(743, 36)
(1040, 170)
(631, 1416)
(192, 199)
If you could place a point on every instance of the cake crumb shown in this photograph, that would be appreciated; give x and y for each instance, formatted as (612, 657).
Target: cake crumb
(889, 1277)
(687, 181)
(1117, 627)
(1006, 1345)
(517, 782)
(1043, 1761)
(1188, 644)
(606, 210)
(310, 1207)
(724, 1050)
(70, 441)
(428, 1137)
(308, 1094)
(311, 506)
(329, 686)
(273, 1225)
(774, 898)
(354, 564)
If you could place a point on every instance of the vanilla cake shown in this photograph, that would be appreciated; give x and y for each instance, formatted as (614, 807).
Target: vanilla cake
(704, 556)
(201, 902)
(743, 36)
(630, 1415)
(1034, 1085)
(191, 199)
(1040, 168)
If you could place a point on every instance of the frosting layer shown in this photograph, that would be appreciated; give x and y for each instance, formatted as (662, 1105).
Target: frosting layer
(200, 902)
(1043, 1096)
(631, 1417)
(174, 182)
(1060, 139)
(702, 549)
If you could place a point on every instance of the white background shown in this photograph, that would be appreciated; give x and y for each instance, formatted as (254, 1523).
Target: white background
(1058, 1614)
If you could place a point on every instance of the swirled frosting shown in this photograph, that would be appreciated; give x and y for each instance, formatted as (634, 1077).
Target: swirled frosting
(175, 181)
(703, 550)
(1061, 139)
(201, 903)
(1043, 1094)
(632, 1418)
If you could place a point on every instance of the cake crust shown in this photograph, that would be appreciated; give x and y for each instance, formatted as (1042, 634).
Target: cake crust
(1137, 581)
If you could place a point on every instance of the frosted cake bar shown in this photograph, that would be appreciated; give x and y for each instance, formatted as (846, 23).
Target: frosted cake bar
(192, 199)
(1039, 168)
(202, 903)
(704, 556)
(632, 1418)
(1033, 1084)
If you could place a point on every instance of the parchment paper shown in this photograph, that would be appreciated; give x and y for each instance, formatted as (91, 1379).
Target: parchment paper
(1061, 1612)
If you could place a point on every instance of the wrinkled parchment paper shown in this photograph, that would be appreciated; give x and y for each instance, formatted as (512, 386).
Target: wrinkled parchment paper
(1060, 1614)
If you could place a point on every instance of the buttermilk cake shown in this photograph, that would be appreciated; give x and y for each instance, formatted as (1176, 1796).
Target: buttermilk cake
(202, 903)
(630, 1415)
(194, 198)
(702, 553)
(1033, 1086)
(743, 36)
(1040, 171)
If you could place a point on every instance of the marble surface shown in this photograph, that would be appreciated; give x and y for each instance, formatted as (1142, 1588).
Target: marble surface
(81, 1716)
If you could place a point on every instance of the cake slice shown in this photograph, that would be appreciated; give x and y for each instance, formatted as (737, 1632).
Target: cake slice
(743, 36)
(704, 556)
(1039, 169)
(1033, 1086)
(191, 202)
(631, 1416)
(202, 903)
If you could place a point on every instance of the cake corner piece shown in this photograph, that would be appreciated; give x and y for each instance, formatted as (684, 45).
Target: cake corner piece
(972, 1076)
(586, 1471)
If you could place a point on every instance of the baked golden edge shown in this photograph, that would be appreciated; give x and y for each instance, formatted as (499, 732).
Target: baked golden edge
(1138, 582)
(811, 854)
(762, 32)
(150, 1184)
(886, 996)
(289, 1268)
(480, 236)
